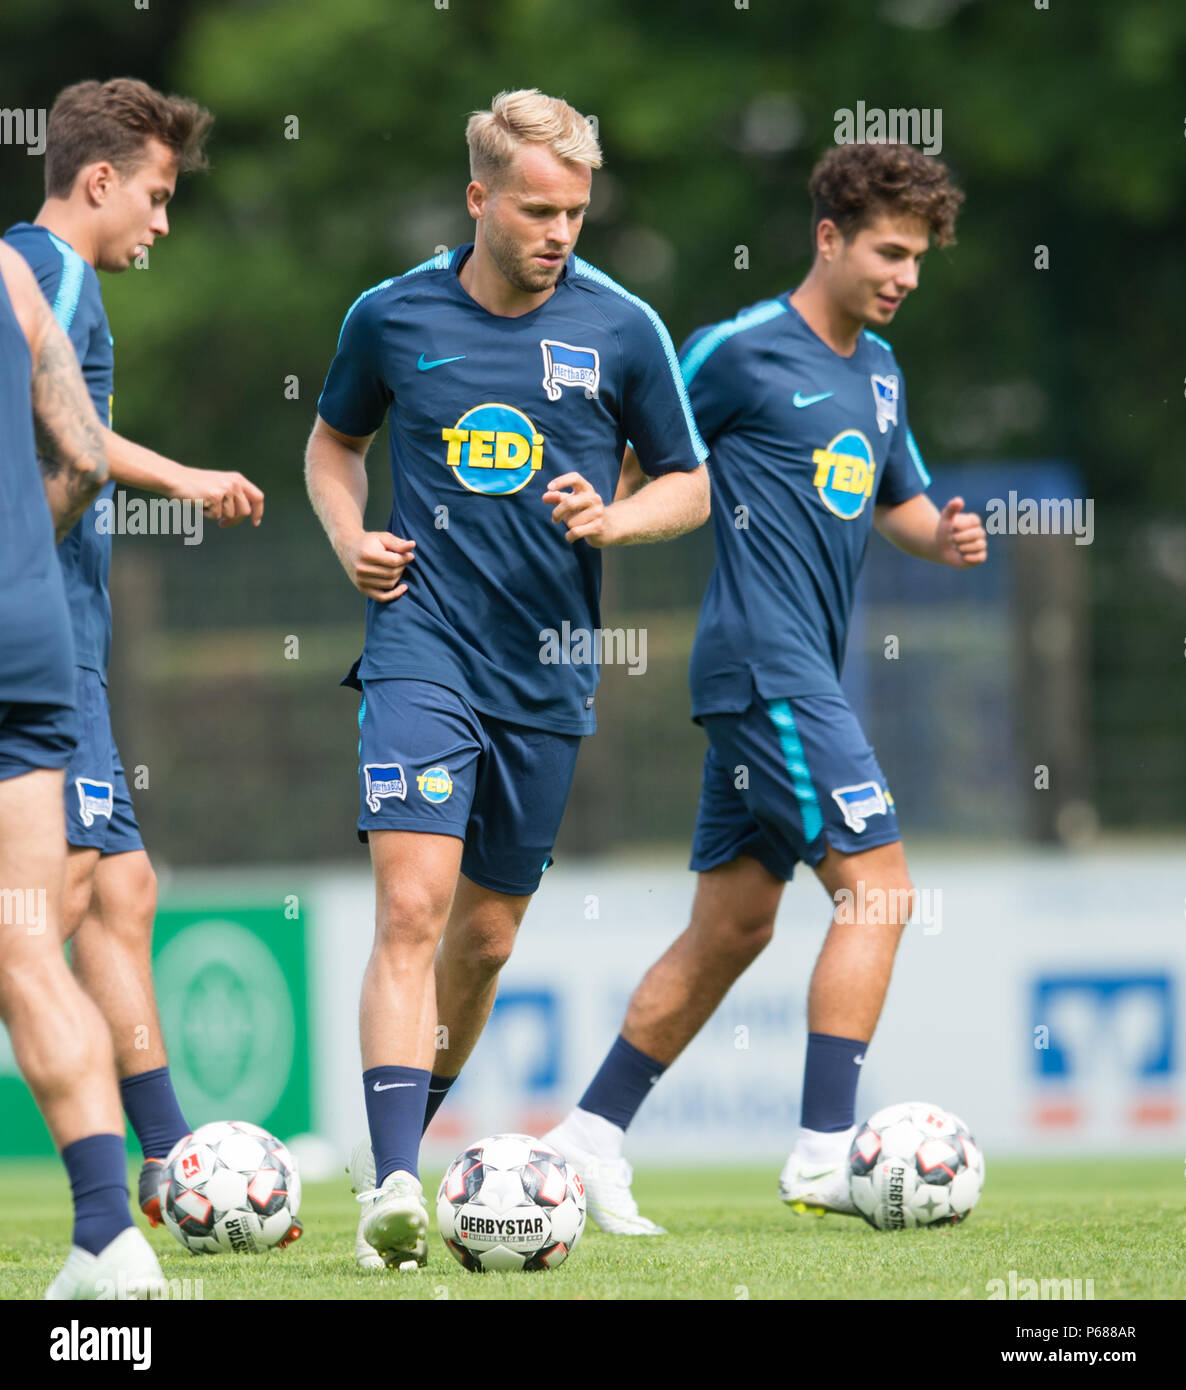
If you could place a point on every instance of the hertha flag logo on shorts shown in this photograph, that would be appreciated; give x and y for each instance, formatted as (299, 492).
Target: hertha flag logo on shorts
(94, 799)
(565, 365)
(384, 780)
(859, 803)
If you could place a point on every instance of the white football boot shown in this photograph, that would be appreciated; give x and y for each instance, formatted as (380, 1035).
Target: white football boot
(125, 1268)
(362, 1180)
(394, 1223)
(816, 1188)
(608, 1197)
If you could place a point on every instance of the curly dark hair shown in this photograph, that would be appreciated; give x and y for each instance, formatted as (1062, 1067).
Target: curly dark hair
(113, 121)
(853, 184)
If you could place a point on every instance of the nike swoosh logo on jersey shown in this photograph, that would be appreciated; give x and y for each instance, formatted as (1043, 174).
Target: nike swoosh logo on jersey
(391, 1085)
(859, 1059)
(423, 366)
(801, 400)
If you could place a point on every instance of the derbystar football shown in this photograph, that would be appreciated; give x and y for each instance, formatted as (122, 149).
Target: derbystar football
(510, 1202)
(914, 1164)
(229, 1186)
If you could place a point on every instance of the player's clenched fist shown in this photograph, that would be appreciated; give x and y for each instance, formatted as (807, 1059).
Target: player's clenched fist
(579, 508)
(961, 537)
(227, 498)
(375, 562)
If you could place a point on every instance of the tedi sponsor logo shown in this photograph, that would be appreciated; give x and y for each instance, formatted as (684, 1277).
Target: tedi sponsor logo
(900, 125)
(157, 516)
(1041, 516)
(80, 1343)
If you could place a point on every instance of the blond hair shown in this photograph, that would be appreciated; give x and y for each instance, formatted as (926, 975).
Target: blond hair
(527, 117)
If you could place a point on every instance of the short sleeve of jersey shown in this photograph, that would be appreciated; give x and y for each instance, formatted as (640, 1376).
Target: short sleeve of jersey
(904, 475)
(655, 409)
(62, 278)
(355, 398)
(712, 388)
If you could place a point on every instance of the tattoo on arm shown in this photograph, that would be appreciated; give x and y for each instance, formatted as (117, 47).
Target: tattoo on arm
(69, 445)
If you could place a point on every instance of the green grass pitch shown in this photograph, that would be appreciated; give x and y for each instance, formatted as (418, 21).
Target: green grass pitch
(1119, 1223)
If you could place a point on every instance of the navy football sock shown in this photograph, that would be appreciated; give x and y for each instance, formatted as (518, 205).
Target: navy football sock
(152, 1110)
(622, 1083)
(395, 1098)
(830, 1077)
(99, 1186)
(438, 1089)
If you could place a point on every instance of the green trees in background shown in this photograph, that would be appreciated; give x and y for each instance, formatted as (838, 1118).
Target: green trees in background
(1052, 330)
(339, 159)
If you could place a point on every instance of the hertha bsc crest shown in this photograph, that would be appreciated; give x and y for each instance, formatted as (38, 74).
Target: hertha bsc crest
(859, 802)
(94, 799)
(885, 398)
(384, 780)
(565, 365)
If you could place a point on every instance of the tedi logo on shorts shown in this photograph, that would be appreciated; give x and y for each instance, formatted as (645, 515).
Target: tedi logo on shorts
(435, 784)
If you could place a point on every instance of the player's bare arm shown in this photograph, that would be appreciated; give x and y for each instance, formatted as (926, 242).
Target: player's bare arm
(631, 478)
(666, 507)
(335, 474)
(69, 445)
(948, 537)
(226, 497)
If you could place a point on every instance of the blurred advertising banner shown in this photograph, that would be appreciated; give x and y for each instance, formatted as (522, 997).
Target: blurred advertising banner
(232, 989)
(1038, 994)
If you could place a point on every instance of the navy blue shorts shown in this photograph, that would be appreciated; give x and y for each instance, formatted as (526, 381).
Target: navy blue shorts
(429, 762)
(99, 811)
(785, 780)
(35, 737)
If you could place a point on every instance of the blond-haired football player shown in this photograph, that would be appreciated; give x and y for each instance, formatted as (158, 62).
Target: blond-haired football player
(513, 373)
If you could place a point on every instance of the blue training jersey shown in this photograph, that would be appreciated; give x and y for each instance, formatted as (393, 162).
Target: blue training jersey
(71, 286)
(485, 411)
(36, 661)
(804, 444)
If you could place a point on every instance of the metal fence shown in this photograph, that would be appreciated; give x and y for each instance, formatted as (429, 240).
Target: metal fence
(241, 748)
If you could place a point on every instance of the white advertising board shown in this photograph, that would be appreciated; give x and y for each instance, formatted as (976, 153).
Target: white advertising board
(1042, 998)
